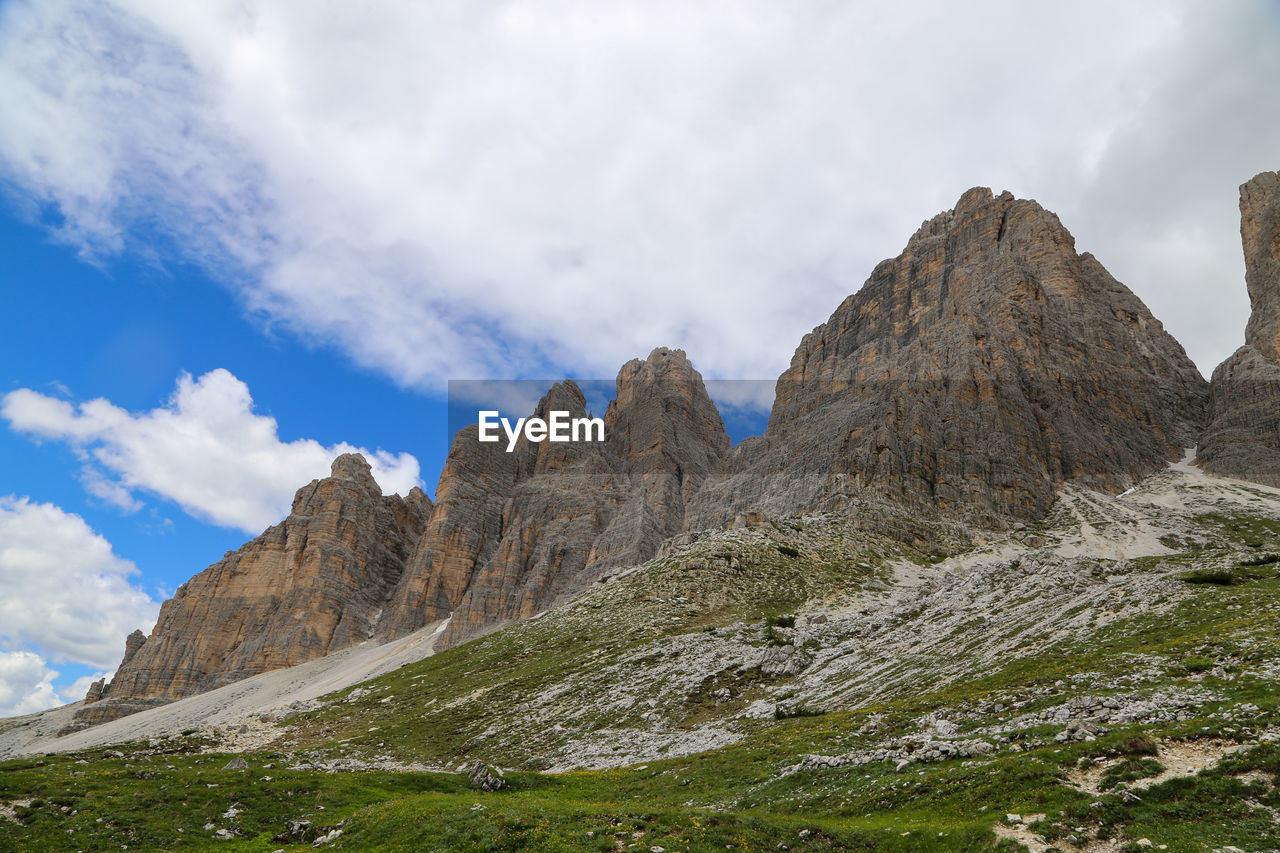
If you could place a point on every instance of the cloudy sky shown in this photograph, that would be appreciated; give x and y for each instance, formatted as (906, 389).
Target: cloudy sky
(239, 238)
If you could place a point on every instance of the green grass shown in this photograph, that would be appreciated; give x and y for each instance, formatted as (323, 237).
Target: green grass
(1129, 770)
(1218, 577)
(1212, 809)
(154, 802)
(745, 581)
(474, 702)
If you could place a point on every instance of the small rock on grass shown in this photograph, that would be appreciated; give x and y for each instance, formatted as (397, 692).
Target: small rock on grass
(486, 778)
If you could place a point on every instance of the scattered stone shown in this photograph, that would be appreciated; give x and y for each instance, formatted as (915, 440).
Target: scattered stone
(294, 830)
(784, 661)
(486, 777)
(237, 763)
(328, 838)
(1078, 731)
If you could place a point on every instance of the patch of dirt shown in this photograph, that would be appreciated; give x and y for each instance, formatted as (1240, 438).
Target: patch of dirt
(1255, 776)
(1180, 758)
(1022, 834)
(1187, 758)
(7, 810)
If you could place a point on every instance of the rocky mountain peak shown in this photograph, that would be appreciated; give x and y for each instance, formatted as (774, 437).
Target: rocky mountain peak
(351, 466)
(667, 367)
(1260, 234)
(1242, 438)
(132, 643)
(314, 583)
(973, 374)
(546, 456)
(663, 419)
(515, 532)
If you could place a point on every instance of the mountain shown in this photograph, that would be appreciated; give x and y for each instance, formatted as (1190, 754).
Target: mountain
(516, 532)
(967, 381)
(315, 583)
(972, 375)
(970, 591)
(1104, 677)
(1243, 436)
(510, 535)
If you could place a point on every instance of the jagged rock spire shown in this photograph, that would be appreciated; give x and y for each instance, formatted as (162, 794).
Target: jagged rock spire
(1242, 439)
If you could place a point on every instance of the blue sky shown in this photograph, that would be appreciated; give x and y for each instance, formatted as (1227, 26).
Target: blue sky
(125, 329)
(237, 238)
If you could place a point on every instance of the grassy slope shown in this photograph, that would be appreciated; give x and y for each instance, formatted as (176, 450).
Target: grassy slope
(488, 699)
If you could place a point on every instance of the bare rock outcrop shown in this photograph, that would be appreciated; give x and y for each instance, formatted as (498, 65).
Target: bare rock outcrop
(972, 375)
(315, 583)
(514, 533)
(101, 689)
(1242, 439)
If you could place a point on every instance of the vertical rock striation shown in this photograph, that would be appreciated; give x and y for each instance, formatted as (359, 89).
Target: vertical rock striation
(516, 532)
(1243, 436)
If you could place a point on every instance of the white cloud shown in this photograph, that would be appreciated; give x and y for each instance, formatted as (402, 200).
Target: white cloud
(66, 592)
(26, 684)
(523, 188)
(205, 450)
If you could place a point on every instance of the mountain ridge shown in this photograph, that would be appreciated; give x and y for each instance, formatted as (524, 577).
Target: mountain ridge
(988, 324)
(862, 671)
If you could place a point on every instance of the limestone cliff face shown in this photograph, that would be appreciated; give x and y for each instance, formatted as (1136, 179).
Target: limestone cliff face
(1243, 436)
(515, 532)
(314, 583)
(668, 438)
(972, 374)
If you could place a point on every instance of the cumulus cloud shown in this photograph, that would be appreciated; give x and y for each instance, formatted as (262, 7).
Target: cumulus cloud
(66, 593)
(26, 684)
(205, 449)
(525, 188)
